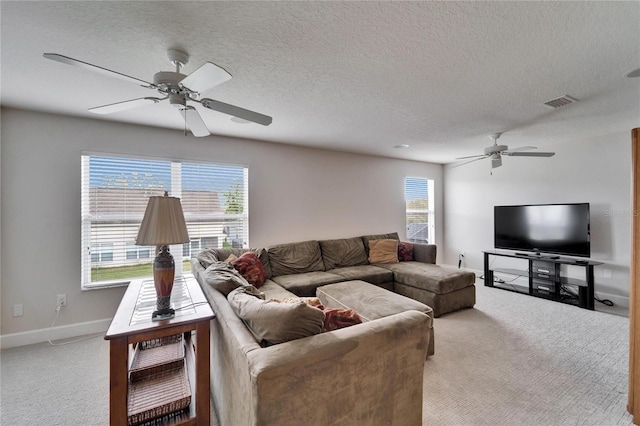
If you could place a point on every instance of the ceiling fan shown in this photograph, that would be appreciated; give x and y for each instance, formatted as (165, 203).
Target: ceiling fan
(495, 152)
(178, 88)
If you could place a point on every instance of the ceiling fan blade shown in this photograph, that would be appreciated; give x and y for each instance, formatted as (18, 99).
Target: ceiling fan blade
(205, 77)
(471, 156)
(467, 162)
(194, 122)
(76, 63)
(235, 111)
(530, 154)
(521, 148)
(121, 106)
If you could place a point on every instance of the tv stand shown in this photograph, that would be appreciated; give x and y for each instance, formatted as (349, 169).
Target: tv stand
(545, 278)
(538, 255)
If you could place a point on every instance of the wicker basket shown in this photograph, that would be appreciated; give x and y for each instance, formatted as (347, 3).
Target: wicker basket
(152, 358)
(158, 395)
(153, 343)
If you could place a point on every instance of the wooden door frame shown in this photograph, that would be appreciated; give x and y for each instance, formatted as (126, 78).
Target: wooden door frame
(633, 405)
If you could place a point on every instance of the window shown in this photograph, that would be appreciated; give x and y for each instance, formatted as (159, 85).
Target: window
(419, 207)
(115, 192)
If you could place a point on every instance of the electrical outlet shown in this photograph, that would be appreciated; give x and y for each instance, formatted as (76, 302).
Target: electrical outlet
(18, 310)
(62, 300)
(607, 273)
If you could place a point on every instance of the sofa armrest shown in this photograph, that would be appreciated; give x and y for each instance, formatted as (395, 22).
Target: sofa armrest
(425, 253)
(359, 374)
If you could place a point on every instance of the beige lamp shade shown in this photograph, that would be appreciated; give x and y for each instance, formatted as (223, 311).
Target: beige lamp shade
(163, 223)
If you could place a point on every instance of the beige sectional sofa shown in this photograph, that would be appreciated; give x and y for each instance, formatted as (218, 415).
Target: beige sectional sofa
(369, 373)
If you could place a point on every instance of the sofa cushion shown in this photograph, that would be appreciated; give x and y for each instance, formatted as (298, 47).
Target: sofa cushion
(295, 258)
(274, 322)
(208, 256)
(405, 251)
(369, 273)
(367, 238)
(383, 251)
(250, 268)
(435, 278)
(425, 253)
(306, 284)
(273, 290)
(223, 277)
(343, 252)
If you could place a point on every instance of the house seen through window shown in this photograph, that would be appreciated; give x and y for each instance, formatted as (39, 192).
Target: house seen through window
(419, 207)
(115, 192)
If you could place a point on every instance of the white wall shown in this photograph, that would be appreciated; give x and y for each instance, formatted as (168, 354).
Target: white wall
(595, 170)
(294, 194)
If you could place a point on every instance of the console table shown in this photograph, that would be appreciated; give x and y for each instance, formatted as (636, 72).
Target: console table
(546, 279)
(132, 324)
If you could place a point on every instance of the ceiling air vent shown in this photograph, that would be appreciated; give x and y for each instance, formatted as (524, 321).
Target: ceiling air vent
(561, 101)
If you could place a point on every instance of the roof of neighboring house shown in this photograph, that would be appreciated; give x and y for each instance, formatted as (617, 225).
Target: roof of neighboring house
(109, 201)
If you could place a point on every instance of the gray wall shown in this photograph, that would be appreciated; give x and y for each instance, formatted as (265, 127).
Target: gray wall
(294, 194)
(597, 171)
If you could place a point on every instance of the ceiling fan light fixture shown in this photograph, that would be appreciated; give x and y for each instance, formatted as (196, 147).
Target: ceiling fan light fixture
(178, 101)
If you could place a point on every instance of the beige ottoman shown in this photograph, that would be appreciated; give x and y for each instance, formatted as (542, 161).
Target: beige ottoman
(371, 302)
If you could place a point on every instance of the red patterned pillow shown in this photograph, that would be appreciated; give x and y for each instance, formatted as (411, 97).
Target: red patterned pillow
(251, 269)
(405, 251)
(339, 318)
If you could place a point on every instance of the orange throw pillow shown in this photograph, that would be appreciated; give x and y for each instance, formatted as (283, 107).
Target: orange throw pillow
(383, 251)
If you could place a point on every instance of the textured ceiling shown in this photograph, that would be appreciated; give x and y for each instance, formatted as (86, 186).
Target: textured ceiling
(352, 76)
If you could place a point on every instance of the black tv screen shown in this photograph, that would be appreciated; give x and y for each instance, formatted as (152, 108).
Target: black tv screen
(544, 228)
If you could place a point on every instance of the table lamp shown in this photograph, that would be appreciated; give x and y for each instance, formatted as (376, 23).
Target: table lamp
(163, 224)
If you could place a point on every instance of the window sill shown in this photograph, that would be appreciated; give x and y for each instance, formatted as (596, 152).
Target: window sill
(123, 283)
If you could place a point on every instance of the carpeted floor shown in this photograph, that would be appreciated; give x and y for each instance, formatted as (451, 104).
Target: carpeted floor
(512, 360)
(520, 360)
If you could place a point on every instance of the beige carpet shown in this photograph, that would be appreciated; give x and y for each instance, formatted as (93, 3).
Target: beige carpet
(513, 360)
(520, 360)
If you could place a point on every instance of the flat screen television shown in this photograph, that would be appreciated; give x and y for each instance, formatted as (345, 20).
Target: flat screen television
(562, 229)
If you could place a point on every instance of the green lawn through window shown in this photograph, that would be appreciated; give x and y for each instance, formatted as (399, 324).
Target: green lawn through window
(126, 272)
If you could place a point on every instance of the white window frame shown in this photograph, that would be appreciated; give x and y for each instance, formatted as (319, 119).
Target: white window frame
(429, 211)
(195, 221)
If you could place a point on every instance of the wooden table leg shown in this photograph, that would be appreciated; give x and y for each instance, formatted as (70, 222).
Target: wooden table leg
(118, 360)
(203, 414)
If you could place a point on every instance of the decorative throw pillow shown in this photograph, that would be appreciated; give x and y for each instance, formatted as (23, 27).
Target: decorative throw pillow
(383, 251)
(250, 268)
(339, 318)
(405, 251)
(231, 258)
(274, 322)
(223, 277)
(311, 301)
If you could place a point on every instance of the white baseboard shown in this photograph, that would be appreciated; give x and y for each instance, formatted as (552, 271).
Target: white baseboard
(55, 333)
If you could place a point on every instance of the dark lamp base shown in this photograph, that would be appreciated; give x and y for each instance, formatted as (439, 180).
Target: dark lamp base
(163, 314)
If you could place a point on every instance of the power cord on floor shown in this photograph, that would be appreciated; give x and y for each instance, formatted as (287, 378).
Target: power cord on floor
(604, 301)
(93, 336)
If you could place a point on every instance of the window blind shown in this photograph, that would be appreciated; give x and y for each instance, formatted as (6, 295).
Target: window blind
(115, 193)
(419, 210)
